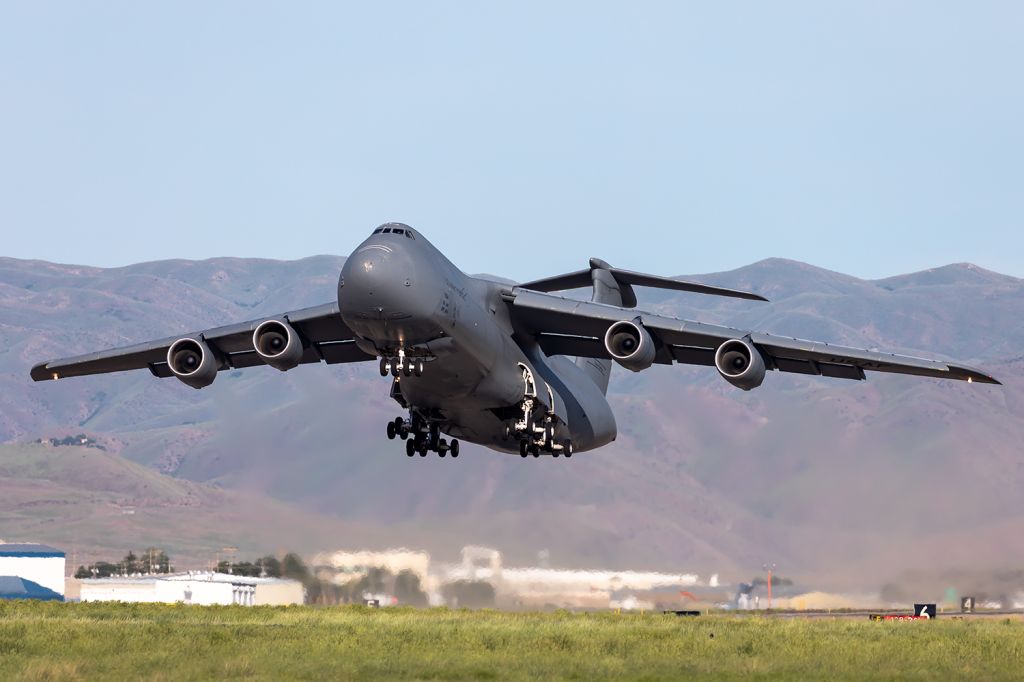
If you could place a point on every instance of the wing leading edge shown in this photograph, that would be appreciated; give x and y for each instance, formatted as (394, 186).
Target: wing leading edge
(325, 338)
(566, 326)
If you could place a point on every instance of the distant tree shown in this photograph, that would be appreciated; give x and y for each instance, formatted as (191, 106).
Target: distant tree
(224, 566)
(83, 572)
(470, 594)
(270, 566)
(407, 589)
(376, 579)
(131, 564)
(246, 568)
(295, 568)
(154, 560)
(105, 569)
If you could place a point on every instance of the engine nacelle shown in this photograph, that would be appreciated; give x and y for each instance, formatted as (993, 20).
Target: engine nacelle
(630, 345)
(277, 344)
(740, 363)
(192, 361)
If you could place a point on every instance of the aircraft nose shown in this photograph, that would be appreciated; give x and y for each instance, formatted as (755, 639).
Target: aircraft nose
(373, 283)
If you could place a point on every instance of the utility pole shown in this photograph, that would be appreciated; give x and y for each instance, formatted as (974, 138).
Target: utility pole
(769, 568)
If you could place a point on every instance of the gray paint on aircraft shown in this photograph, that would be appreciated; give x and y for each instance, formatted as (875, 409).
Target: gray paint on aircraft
(485, 360)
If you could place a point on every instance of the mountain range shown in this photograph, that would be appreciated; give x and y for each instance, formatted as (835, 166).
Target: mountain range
(837, 482)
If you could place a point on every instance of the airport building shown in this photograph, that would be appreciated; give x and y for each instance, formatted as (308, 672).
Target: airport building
(523, 587)
(31, 571)
(355, 564)
(194, 588)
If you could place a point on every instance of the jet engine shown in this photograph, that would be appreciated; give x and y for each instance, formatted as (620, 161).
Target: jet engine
(277, 344)
(192, 361)
(740, 363)
(630, 345)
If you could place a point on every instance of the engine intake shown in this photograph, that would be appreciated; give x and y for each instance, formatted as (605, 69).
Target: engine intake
(740, 363)
(630, 345)
(277, 344)
(192, 361)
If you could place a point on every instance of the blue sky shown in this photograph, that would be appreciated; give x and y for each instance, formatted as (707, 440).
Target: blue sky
(873, 138)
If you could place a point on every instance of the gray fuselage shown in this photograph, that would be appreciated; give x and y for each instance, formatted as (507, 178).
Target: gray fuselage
(398, 293)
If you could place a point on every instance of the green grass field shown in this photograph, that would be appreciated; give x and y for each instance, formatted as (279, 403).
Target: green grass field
(51, 641)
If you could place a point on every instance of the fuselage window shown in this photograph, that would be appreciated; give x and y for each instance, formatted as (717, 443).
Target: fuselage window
(408, 233)
(377, 231)
(387, 230)
(398, 230)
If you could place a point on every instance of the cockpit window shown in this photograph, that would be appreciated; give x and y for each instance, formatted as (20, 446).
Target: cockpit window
(395, 228)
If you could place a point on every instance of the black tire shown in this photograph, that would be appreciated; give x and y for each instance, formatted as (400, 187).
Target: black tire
(394, 369)
(417, 369)
(410, 448)
(523, 448)
(535, 451)
(407, 368)
(392, 432)
(567, 445)
(403, 433)
(454, 447)
(423, 449)
(384, 367)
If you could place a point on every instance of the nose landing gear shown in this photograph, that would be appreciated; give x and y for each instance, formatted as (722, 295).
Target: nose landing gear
(401, 365)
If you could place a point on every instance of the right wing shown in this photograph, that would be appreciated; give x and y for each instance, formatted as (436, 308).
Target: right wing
(564, 326)
(325, 338)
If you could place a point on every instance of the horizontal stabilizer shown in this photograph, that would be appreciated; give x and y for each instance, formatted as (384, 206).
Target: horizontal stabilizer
(582, 278)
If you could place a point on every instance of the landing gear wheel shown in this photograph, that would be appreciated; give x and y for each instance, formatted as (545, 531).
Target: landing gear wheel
(567, 448)
(410, 448)
(417, 368)
(394, 369)
(403, 433)
(535, 451)
(423, 449)
(549, 436)
(407, 368)
(442, 447)
(384, 367)
(392, 432)
(454, 448)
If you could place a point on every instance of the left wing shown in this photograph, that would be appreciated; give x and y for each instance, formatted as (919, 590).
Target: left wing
(564, 326)
(323, 334)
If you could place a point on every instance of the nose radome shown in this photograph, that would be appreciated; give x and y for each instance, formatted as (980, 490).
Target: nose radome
(373, 282)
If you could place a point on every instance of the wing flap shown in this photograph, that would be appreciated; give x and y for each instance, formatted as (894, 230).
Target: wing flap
(580, 346)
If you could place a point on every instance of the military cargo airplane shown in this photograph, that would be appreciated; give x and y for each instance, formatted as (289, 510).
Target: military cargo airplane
(512, 367)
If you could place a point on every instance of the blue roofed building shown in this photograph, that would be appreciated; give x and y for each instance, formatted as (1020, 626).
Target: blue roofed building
(31, 571)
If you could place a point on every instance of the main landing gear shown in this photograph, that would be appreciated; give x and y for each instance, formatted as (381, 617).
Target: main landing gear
(421, 437)
(546, 444)
(534, 428)
(401, 365)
